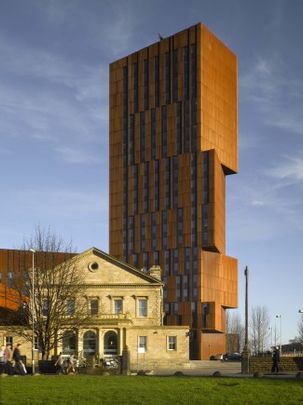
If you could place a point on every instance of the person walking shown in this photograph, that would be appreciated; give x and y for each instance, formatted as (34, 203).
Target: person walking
(275, 360)
(8, 368)
(2, 359)
(60, 364)
(19, 366)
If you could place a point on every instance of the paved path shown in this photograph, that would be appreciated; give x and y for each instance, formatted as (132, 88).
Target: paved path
(205, 367)
(226, 369)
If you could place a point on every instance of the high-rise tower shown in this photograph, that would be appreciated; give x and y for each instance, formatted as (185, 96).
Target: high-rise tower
(173, 140)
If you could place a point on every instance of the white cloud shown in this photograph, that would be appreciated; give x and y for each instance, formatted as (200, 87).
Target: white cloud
(290, 169)
(60, 203)
(51, 99)
(72, 155)
(277, 96)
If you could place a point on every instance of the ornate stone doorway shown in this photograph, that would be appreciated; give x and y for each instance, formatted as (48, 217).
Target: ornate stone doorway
(110, 343)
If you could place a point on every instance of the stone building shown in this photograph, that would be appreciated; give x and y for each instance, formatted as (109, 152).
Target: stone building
(126, 310)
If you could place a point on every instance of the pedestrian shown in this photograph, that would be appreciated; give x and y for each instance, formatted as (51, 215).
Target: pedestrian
(2, 354)
(60, 364)
(72, 364)
(19, 366)
(8, 367)
(275, 360)
(2, 359)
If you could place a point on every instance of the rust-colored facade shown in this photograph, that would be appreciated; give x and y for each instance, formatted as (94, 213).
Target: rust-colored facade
(173, 141)
(14, 264)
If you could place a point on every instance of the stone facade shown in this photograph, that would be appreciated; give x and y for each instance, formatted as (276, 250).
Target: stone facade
(264, 364)
(126, 310)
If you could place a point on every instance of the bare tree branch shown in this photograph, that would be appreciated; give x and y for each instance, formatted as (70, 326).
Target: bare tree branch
(59, 303)
(300, 330)
(259, 329)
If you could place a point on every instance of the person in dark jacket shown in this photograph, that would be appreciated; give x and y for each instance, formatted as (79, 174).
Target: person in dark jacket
(275, 360)
(19, 366)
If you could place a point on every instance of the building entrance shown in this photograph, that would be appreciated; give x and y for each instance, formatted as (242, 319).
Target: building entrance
(110, 343)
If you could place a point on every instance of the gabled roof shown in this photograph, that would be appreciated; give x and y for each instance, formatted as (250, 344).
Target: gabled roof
(120, 264)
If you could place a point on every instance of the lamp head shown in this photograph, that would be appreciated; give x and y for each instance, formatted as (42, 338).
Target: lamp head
(32, 250)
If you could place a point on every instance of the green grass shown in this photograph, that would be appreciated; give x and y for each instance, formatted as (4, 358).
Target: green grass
(137, 390)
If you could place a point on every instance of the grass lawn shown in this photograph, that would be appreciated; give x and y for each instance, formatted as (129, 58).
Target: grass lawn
(134, 390)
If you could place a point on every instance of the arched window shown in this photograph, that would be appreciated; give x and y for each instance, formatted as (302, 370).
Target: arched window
(89, 343)
(69, 342)
(110, 343)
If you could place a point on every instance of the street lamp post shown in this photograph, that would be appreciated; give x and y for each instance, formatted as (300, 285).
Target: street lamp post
(33, 310)
(245, 354)
(280, 317)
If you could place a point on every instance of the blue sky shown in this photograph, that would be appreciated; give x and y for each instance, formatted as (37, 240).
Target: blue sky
(54, 126)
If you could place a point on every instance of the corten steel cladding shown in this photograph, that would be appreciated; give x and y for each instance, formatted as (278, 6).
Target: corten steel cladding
(173, 141)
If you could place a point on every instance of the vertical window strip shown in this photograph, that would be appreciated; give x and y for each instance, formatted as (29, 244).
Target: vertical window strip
(178, 288)
(164, 229)
(194, 125)
(167, 77)
(135, 189)
(135, 260)
(136, 86)
(175, 261)
(194, 314)
(167, 183)
(205, 198)
(142, 136)
(193, 71)
(146, 84)
(153, 145)
(131, 236)
(179, 128)
(164, 130)
(205, 178)
(145, 261)
(157, 81)
(186, 73)
(186, 127)
(175, 181)
(185, 287)
(156, 185)
(194, 199)
(175, 75)
(132, 139)
(205, 312)
(142, 231)
(167, 262)
(179, 227)
(153, 230)
(146, 187)
(156, 258)
(187, 261)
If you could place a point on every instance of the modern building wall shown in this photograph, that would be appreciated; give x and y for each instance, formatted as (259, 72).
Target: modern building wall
(173, 141)
(14, 263)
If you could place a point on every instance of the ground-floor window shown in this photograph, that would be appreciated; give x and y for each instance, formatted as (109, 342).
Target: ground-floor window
(172, 342)
(9, 340)
(142, 344)
(89, 343)
(69, 342)
(110, 343)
